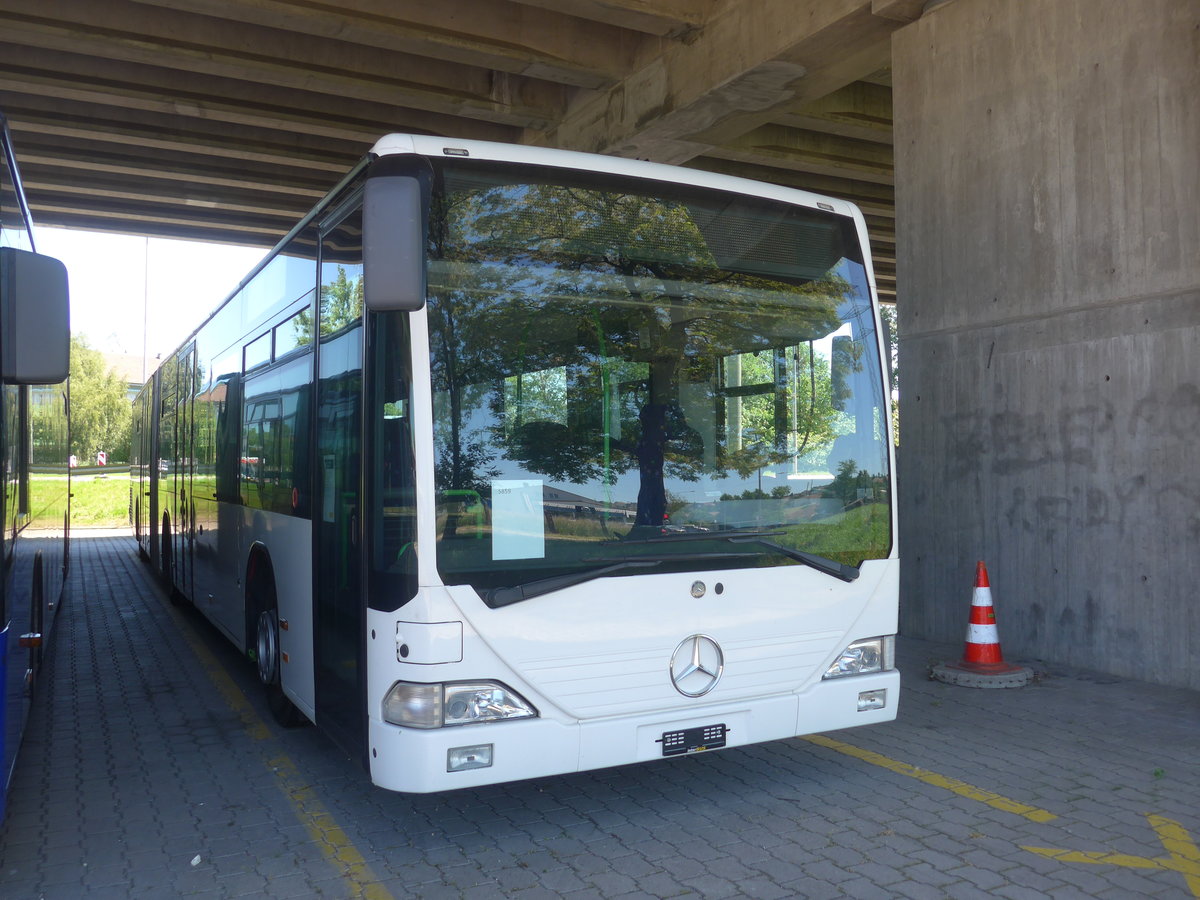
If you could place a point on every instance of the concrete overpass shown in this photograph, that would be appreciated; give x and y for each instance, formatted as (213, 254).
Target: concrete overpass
(1044, 263)
(226, 119)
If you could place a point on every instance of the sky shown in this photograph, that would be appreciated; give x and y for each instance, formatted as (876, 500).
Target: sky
(141, 295)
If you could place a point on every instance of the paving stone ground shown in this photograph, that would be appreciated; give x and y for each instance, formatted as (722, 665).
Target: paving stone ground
(148, 773)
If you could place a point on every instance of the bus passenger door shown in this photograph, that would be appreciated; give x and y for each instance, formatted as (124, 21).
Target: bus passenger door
(338, 555)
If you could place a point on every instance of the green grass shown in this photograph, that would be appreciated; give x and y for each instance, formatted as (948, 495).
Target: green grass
(101, 501)
(866, 529)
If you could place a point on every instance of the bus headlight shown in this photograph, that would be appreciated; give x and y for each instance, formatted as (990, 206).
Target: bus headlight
(463, 703)
(865, 657)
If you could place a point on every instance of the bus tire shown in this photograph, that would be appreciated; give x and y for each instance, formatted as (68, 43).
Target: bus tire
(267, 658)
(164, 562)
(164, 555)
(164, 550)
(142, 540)
(37, 618)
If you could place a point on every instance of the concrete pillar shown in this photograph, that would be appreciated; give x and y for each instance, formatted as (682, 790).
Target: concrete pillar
(1048, 228)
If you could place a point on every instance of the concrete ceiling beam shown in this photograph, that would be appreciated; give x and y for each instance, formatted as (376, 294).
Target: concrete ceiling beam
(131, 32)
(872, 198)
(172, 222)
(811, 151)
(903, 11)
(73, 160)
(664, 18)
(165, 196)
(861, 110)
(750, 59)
(145, 141)
(508, 37)
(215, 100)
(203, 103)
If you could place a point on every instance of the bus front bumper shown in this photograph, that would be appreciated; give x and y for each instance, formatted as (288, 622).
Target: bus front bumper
(423, 761)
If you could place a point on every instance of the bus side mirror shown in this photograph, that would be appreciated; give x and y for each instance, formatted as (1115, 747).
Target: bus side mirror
(393, 243)
(34, 318)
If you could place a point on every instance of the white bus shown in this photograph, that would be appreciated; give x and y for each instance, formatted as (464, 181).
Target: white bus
(509, 462)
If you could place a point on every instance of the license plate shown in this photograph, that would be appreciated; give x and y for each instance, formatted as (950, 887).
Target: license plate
(693, 740)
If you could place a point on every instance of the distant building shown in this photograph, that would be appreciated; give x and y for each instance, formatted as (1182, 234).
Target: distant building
(133, 370)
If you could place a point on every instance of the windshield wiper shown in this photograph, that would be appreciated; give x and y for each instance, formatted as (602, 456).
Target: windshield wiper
(505, 596)
(820, 563)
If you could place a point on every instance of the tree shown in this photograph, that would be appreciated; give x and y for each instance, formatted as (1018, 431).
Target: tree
(887, 315)
(101, 415)
(851, 484)
(635, 278)
(341, 305)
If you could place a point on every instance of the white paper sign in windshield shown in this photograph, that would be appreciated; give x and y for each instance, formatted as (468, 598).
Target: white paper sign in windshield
(518, 523)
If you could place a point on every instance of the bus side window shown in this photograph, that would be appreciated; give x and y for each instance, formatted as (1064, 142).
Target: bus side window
(228, 401)
(257, 353)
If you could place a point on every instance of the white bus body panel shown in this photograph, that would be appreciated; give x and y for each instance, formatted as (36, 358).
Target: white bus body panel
(433, 146)
(218, 567)
(288, 541)
(594, 661)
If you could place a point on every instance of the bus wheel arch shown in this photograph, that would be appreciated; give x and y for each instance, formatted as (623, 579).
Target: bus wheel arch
(166, 564)
(262, 635)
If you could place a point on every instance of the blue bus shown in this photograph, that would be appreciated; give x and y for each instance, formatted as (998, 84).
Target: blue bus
(34, 448)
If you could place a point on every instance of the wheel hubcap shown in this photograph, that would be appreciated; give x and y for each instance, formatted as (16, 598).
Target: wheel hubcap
(268, 648)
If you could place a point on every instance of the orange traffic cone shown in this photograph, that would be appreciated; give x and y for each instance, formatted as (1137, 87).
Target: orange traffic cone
(983, 662)
(983, 639)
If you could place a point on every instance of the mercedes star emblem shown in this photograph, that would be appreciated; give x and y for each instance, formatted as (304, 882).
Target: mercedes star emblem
(696, 665)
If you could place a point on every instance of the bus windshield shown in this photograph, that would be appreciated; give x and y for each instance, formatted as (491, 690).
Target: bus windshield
(632, 370)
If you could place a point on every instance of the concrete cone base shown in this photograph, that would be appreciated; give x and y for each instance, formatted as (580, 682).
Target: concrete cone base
(1001, 675)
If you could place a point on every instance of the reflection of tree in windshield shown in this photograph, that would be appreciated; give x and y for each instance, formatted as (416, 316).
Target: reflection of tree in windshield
(622, 295)
(636, 366)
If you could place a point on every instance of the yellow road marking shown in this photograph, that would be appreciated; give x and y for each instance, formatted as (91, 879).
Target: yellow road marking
(950, 784)
(1183, 856)
(320, 824)
(334, 842)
